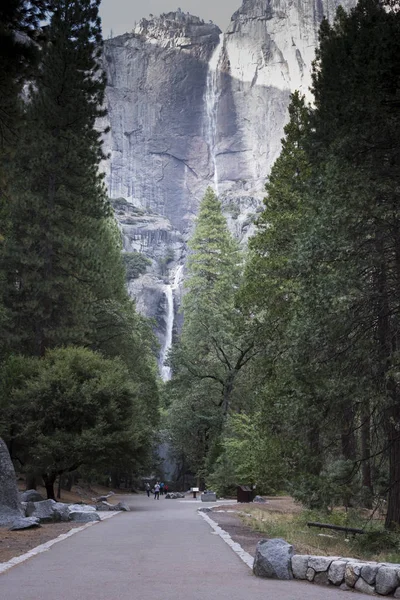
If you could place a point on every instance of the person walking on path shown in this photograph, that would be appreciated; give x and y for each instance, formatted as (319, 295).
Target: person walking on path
(162, 488)
(147, 488)
(157, 491)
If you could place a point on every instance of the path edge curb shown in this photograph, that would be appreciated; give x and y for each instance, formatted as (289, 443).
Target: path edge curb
(47, 545)
(237, 548)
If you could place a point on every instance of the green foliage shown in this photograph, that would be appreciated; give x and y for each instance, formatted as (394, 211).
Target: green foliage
(135, 264)
(70, 408)
(321, 280)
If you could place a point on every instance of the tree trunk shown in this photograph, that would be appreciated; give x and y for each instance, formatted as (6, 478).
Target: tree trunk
(313, 436)
(30, 482)
(393, 433)
(348, 437)
(366, 453)
(49, 481)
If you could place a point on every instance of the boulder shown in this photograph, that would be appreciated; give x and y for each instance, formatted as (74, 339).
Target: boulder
(84, 516)
(62, 511)
(44, 511)
(174, 495)
(24, 523)
(204, 509)
(299, 566)
(260, 499)
(31, 496)
(336, 572)
(273, 559)
(320, 563)
(368, 572)
(209, 497)
(8, 482)
(81, 508)
(386, 580)
(397, 593)
(104, 506)
(121, 506)
(351, 574)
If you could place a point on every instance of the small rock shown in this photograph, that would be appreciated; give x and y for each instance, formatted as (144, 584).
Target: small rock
(321, 578)
(363, 587)
(84, 516)
(310, 574)
(386, 580)
(397, 593)
(337, 571)
(299, 566)
(273, 559)
(204, 509)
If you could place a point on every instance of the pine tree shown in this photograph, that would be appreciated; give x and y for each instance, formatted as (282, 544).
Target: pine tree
(57, 195)
(214, 347)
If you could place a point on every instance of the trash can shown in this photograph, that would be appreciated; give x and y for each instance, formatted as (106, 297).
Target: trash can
(244, 493)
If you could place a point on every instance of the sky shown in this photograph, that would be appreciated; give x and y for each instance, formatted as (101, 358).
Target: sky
(119, 16)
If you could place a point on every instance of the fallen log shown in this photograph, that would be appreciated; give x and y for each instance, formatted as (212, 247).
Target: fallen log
(335, 527)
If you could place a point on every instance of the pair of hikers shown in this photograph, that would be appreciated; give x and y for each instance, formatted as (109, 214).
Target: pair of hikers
(159, 489)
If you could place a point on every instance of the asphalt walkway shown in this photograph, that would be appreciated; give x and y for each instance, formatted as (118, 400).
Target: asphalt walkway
(162, 550)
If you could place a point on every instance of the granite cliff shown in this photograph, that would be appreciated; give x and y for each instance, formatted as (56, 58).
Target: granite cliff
(190, 107)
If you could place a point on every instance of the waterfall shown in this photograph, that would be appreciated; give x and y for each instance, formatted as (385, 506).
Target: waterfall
(166, 373)
(165, 370)
(211, 102)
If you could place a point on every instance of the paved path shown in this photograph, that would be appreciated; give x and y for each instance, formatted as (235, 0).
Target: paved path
(162, 550)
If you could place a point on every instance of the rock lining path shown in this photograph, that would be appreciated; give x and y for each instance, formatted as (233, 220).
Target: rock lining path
(162, 550)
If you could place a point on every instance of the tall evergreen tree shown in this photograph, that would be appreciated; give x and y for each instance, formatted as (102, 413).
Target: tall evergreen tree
(214, 346)
(57, 195)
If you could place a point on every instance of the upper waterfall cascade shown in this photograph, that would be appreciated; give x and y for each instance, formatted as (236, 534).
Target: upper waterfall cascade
(212, 94)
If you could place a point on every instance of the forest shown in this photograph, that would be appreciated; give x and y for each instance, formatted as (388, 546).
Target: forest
(78, 375)
(286, 374)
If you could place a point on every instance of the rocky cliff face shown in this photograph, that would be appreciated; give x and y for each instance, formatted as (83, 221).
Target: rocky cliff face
(190, 107)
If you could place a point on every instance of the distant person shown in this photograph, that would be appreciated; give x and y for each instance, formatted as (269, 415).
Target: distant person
(147, 488)
(162, 488)
(157, 491)
(165, 489)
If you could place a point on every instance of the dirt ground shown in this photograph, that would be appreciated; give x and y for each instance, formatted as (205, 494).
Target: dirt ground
(228, 518)
(15, 543)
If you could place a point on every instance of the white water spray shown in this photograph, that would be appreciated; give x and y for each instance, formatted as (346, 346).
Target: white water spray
(166, 373)
(211, 101)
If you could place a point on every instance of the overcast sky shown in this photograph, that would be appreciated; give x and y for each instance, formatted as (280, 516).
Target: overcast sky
(120, 15)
